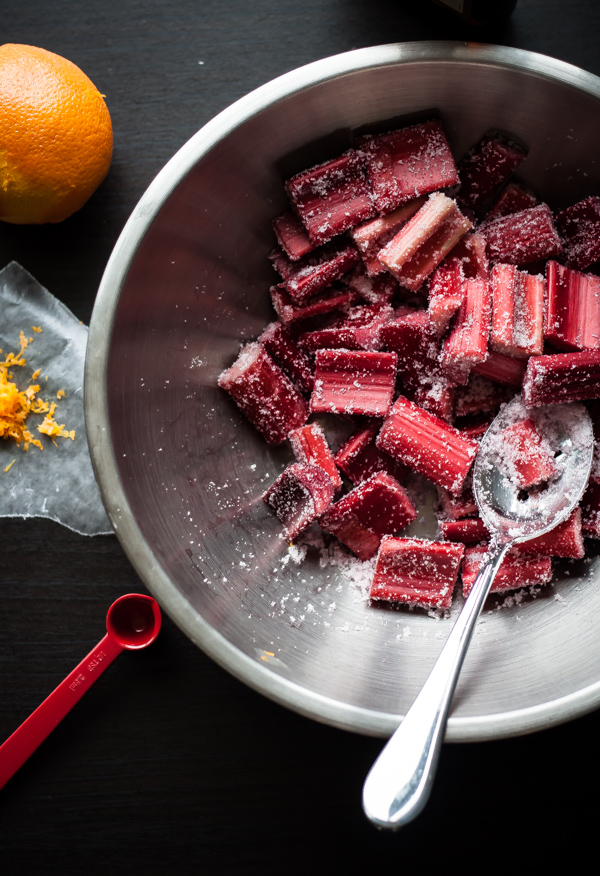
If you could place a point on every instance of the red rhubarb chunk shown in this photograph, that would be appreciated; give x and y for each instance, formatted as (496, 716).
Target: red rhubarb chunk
(407, 163)
(427, 445)
(467, 343)
(419, 247)
(572, 308)
(358, 329)
(315, 272)
(359, 457)
(300, 495)
(485, 167)
(513, 198)
(331, 300)
(579, 228)
(501, 368)
(353, 382)
(471, 253)
(562, 377)
(517, 312)
(480, 395)
(264, 394)
(516, 570)
(446, 294)
(291, 236)
(375, 290)
(378, 506)
(457, 507)
(522, 238)
(468, 531)
(524, 455)
(372, 236)
(332, 197)
(416, 572)
(285, 352)
(309, 445)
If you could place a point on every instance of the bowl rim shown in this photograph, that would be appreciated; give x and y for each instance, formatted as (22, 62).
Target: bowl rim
(227, 655)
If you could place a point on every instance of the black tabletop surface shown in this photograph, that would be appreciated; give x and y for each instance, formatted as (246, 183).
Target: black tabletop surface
(170, 765)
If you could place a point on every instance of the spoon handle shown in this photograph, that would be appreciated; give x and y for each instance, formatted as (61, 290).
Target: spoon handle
(400, 780)
(32, 732)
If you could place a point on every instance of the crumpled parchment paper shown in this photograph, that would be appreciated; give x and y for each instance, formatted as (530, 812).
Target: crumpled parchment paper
(57, 482)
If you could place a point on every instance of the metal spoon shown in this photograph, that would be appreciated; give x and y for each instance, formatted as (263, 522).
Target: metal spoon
(132, 622)
(400, 781)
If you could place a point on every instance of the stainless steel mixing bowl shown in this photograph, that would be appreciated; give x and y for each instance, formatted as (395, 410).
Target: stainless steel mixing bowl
(182, 473)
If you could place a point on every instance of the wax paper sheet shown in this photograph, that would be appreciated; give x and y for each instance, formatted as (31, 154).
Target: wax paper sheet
(57, 482)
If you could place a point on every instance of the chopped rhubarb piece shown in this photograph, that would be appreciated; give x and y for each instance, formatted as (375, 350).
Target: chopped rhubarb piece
(524, 456)
(439, 399)
(299, 496)
(359, 457)
(458, 507)
(468, 531)
(427, 445)
(315, 272)
(285, 352)
(485, 167)
(562, 377)
(291, 236)
(480, 395)
(353, 382)
(358, 329)
(513, 198)
(446, 294)
(516, 570)
(332, 197)
(309, 445)
(407, 163)
(419, 247)
(471, 253)
(466, 345)
(374, 290)
(579, 228)
(475, 425)
(378, 506)
(501, 368)
(590, 511)
(522, 238)
(372, 236)
(517, 312)
(264, 394)
(565, 540)
(572, 308)
(416, 572)
(327, 302)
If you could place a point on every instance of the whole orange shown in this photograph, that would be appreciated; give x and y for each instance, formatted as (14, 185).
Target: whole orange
(55, 136)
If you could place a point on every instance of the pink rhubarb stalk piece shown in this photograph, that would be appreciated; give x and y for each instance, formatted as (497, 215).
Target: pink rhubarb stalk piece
(562, 377)
(471, 253)
(480, 395)
(264, 394)
(522, 238)
(516, 570)
(513, 198)
(353, 382)
(524, 456)
(501, 368)
(332, 197)
(372, 236)
(332, 299)
(572, 308)
(517, 312)
(467, 343)
(299, 496)
(427, 445)
(359, 457)
(285, 352)
(446, 294)
(467, 531)
(309, 446)
(408, 163)
(315, 272)
(485, 167)
(291, 236)
(579, 228)
(378, 506)
(416, 572)
(374, 290)
(358, 329)
(426, 239)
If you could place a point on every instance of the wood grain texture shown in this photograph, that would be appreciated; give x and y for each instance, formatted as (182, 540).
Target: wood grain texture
(170, 765)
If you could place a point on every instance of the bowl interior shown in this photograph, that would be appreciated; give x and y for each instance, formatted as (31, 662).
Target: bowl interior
(181, 471)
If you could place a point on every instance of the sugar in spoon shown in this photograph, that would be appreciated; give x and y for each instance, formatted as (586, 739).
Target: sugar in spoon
(400, 781)
(132, 622)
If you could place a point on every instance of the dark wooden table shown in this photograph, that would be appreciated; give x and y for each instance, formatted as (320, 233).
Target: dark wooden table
(170, 765)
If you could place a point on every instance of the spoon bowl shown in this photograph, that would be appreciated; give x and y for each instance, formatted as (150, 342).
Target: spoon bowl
(133, 621)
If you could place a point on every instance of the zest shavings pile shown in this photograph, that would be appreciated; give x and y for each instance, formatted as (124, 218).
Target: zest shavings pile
(17, 405)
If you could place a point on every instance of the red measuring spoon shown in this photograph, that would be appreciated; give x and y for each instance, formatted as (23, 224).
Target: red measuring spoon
(132, 622)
